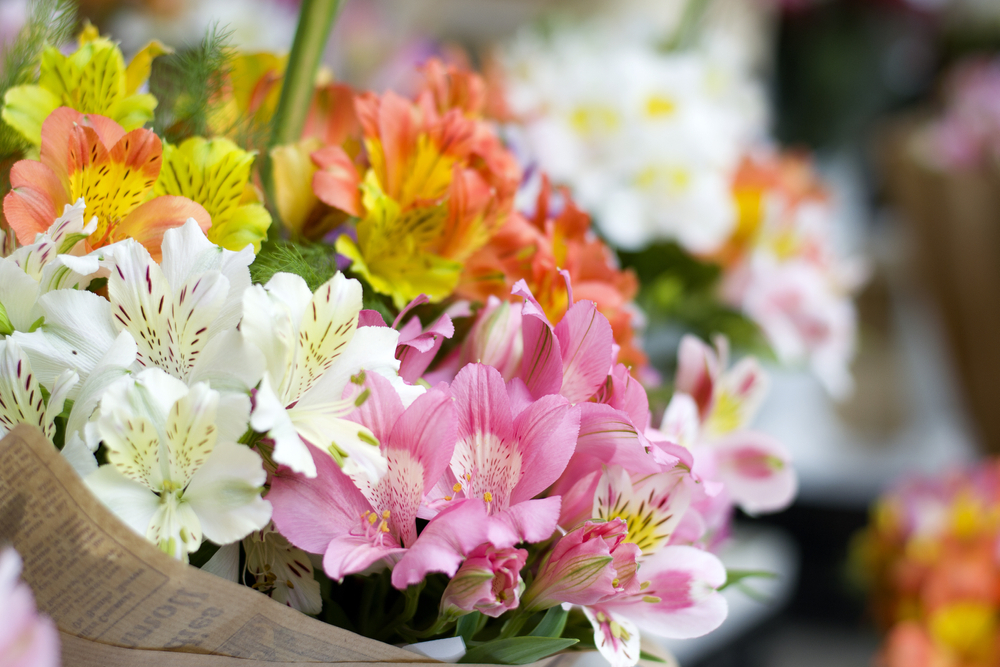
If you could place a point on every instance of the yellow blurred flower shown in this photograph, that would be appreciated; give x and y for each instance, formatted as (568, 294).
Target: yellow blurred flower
(92, 80)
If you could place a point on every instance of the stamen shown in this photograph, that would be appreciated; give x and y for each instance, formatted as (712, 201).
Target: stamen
(488, 497)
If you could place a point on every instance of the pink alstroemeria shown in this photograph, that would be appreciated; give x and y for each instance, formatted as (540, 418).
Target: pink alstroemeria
(489, 581)
(679, 599)
(509, 450)
(574, 357)
(588, 565)
(710, 414)
(494, 339)
(27, 639)
(417, 346)
(355, 527)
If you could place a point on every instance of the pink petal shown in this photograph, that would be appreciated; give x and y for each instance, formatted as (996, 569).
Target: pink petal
(546, 433)
(370, 318)
(520, 396)
(350, 554)
(757, 471)
(685, 580)
(528, 521)
(609, 437)
(443, 544)
(380, 409)
(418, 301)
(585, 340)
(313, 513)
(482, 403)
(628, 395)
(427, 430)
(541, 363)
(697, 370)
(531, 305)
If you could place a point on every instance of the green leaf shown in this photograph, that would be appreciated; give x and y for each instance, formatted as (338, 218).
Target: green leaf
(552, 623)
(515, 650)
(469, 625)
(649, 657)
(734, 577)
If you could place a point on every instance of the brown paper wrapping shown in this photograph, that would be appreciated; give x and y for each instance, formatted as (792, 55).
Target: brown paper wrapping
(120, 601)
(954, 217)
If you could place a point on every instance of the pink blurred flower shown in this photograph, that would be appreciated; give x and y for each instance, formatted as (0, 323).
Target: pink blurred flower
(586, 566)
(27, 639)
(489, 581)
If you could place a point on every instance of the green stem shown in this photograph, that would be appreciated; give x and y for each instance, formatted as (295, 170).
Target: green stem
(514, 624)
(686, 32)
(440, 625)
(315, 22)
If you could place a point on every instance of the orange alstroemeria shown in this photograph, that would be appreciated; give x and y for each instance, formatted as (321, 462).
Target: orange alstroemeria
(536, 248)
(92, 157)
(434, 185)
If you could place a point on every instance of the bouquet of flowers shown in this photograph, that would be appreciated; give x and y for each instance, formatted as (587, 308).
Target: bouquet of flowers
(930, 556)
(338, 347)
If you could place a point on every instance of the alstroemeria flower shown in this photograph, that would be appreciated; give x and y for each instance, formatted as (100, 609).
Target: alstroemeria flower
(489, 582)
(27, 639)
(710, 414)
(92, 80)
(588, 565)
(175, 471)
(509, 450)
(41, 267)
(92, 157)
(21, 397)
(355, 527)
(439, 184)
(282, 571)
(678, 599)
(417, 346)
(216, 174)
(313, 347)
(182, 315)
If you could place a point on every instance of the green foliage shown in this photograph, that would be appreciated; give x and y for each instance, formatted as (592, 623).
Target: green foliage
(315, 263)
(735, 577)
(552, 624)
(189, 85)
(49, 22)
(468, 626)
(515, 650)
(683, 291)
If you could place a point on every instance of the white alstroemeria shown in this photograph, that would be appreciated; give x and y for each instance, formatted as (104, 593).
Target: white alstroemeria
(174, 475)
(313, 347)
(43, 266)
(182, 314)
(282, 571)
(21, 398)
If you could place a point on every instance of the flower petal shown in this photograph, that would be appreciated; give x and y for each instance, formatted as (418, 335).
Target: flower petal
(129, 500)
(546, 433)
(585, 341)
(443, 544)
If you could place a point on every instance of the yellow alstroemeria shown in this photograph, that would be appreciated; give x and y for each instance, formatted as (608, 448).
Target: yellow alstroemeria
(92, 80)
(216, 174)
(251, 95)
(392, 251)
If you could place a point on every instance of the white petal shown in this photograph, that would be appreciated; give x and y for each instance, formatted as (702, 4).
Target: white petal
(111, 367)
(225, 493)
(325, 430)
(191, 432)
(18, 295)
(267, 325)
(77, 333)
(64, 383)
(78, 454)
(225, 563)
(372, 349)
(187, 252)
(175, 527)
(326, 327)
(229, 363)
(130, 501)
(21, 400)
(233, 416)
(269, 416)
(622, 650)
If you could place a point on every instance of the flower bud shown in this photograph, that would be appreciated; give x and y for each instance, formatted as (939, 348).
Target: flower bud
(489, 581)
(590, 564)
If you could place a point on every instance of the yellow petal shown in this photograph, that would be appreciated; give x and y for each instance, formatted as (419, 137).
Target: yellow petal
(26, 107)
(138, 70)
(247, 225)
(292, 171)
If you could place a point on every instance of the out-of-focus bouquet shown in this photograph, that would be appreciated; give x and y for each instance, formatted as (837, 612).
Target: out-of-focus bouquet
(340, 347)
(930, 560)
(656, 121)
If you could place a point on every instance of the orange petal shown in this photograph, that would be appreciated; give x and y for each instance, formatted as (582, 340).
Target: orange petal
(57, 133)
(337, 183)
(35, 200)
(140, 151)
(148, 222)
(398, 133)
(332, 117)
(108, 130)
